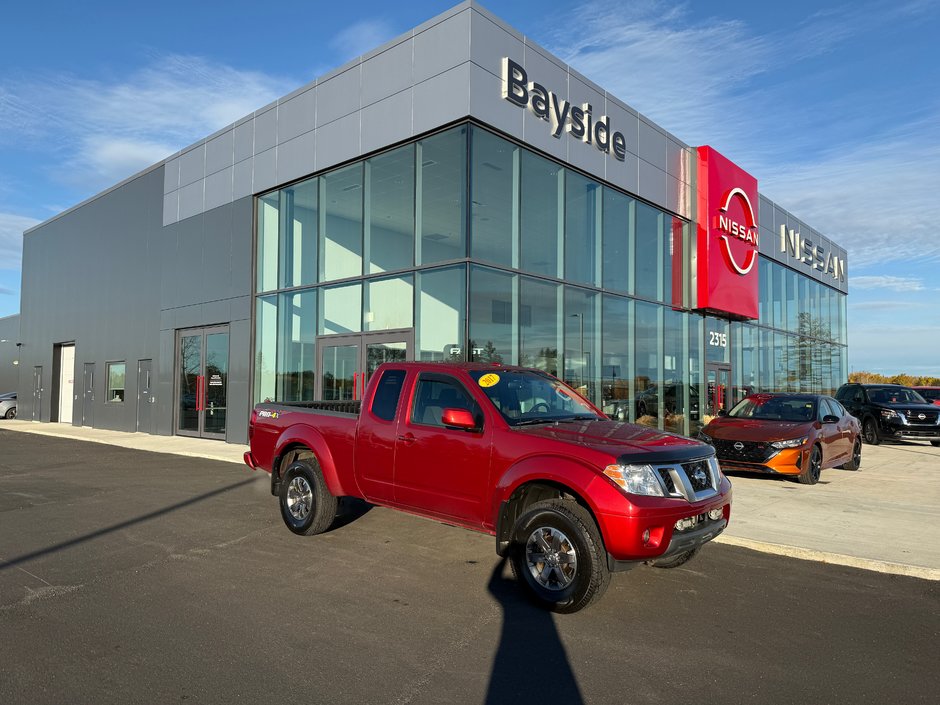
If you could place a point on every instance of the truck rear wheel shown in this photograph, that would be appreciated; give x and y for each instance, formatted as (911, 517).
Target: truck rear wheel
(558, 553)
(307, 506)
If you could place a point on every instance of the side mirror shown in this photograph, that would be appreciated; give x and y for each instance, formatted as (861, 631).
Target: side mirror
(722, 412)
(459, 418)
(829, 418)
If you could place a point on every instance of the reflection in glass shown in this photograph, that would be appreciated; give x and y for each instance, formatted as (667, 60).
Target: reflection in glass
(341, 309)
(190, 369)
(582, 229)
(440, 310)
(298, 218)
(539, 330)
(649, 252)
(492, 316)
(616, 371)
(389, 303)
(582, 341)
(541, 223)
(677, 401)
(267, 254)
(265, 350)
(297, 333)
(340, 367)
(649, 356)
(618, 241)
(341, 223)
(493, 197)
(216, 382)
(442, 186)
(390, 214)
(378, 353)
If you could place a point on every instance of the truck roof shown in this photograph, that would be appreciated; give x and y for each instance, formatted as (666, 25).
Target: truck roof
(467, 366)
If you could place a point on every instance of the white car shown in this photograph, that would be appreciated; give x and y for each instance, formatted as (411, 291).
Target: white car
(8, 405)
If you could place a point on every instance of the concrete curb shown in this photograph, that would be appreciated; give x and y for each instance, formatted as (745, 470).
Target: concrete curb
(809, 554)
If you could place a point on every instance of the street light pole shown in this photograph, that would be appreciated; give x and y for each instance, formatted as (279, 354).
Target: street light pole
(580, 317)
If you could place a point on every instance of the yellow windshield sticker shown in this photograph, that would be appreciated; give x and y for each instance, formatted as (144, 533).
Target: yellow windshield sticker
(489, 380)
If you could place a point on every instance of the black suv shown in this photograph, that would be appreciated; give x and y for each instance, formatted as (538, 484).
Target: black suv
(890, 411)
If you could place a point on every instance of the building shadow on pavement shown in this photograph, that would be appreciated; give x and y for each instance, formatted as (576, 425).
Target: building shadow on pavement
(531, 664)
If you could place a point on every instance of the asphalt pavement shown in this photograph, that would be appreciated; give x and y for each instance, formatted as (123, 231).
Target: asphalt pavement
(130, 576)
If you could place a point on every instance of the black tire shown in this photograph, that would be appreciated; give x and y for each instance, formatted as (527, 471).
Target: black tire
(11, 413)
(856, 462)
(307, 506)
(570, 530)
(810, 476)
(870, 432)
(674, 561)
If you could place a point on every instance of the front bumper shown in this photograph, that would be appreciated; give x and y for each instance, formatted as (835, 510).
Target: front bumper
(789, 461)
(898, 430)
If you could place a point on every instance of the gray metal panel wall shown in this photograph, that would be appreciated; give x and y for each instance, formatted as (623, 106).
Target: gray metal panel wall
(108, 276)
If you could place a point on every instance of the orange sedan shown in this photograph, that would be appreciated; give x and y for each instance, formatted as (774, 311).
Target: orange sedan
(786, 434)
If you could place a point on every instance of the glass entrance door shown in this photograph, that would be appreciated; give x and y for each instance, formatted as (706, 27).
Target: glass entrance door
(202, 371)
(345, 362)
(719, 389)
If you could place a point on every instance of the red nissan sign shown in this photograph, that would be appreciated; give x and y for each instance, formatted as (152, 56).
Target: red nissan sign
(727, 236)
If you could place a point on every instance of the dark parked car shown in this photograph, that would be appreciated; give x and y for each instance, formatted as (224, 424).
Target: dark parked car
(786, 434)
(891, 412)
(8, 405)
(647, 401)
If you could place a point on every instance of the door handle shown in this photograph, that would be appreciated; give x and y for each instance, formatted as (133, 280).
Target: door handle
(407, 438)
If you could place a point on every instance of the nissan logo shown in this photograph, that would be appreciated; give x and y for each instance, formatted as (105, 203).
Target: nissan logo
(739, 446)
(699, 476)
(921, 416)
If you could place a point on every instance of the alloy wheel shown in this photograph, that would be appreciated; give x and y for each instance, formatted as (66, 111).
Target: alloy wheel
(551, 558)
(299, 498)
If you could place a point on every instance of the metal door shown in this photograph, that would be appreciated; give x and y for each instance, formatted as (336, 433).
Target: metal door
(144, 396)
(37, 393)
(66, 383)
(346, 362)
(88, 394)
(202, 360)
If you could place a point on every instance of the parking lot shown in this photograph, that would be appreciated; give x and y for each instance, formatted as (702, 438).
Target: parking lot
(131, 576)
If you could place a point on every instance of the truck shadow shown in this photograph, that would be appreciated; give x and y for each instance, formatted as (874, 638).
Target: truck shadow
(350, 509)
(531, 662)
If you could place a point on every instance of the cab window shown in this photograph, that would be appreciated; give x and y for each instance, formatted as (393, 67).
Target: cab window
(387, 393)
(435, 393)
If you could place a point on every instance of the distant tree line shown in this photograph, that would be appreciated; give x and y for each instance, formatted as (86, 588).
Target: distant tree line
(901, 378)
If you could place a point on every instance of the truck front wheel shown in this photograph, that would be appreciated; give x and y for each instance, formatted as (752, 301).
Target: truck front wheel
(307, 506)
(558, 553)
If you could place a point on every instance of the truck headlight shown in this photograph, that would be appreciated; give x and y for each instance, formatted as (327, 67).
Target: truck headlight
(635, 479)
(889, 414)
(792, 443)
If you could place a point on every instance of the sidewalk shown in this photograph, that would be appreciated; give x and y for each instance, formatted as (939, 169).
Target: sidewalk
(882, 518)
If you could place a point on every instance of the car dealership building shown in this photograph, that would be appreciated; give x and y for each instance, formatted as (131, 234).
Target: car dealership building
(456, 194)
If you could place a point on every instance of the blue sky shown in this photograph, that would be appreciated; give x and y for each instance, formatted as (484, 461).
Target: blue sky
(834, 107)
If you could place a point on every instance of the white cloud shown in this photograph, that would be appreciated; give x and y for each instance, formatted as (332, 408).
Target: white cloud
(361, 37)
(881, 281)
(107, 131)
(11, 239)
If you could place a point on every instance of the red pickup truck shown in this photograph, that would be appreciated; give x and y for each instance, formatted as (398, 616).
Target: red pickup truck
(569, 494)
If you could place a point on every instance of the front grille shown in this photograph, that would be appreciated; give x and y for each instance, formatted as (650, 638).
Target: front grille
(699, 474)
(748, 452)
(913, 417)
(667, 481)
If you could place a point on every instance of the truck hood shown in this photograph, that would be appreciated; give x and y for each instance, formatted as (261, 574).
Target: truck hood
(629, 443)
(729, 429)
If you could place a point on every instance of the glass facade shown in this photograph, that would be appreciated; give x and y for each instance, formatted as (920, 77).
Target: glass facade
(483, 250)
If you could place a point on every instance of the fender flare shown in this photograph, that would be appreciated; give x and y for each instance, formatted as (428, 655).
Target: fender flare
(307, 437)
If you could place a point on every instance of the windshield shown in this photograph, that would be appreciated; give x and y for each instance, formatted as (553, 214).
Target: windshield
(930, 394)
(527, 397)
(894, 395)
(771, 408)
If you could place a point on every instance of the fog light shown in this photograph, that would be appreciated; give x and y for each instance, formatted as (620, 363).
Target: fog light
(684, 524)
(714, 514)
(646, 536)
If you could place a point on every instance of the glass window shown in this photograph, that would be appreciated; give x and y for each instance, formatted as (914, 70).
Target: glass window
(387, 392)
(494, 198)
(340, 309)
(765, 292)
(779, 293)
(265, 348)
(618, 241)
(582, 340)
(298, 226)
(492, 316)
(115, 383)
(541, 196)
(433, 395)
(582, 229)
(540, 309)
(525, 397)
(341, 223)
(676, 399)
(649, 252)
(767, 361)
(266, 276)
(297, 336)
(442, 189)
(792, 307)
(697, 378)
(390, 210)
(440, 310)
(389, 303)
(616, 372)
(649, 357)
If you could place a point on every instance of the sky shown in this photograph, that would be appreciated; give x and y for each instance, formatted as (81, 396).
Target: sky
(834, 108)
